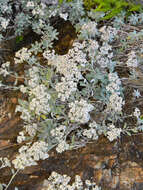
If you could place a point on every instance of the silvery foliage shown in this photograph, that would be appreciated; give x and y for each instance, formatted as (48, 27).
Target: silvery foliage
(136, 18)
(22, 20)
(95, 15)
(50, 2)
(119, 20)
(135, 35)
(76, 11)
(136, 93)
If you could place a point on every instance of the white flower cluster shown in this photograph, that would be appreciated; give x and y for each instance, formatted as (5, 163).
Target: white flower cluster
(137, 113)
(39, 93)
(132, 60)
(50, 56)
(40, 103)
(77, 53)
(33, 74)
(61, 182)
(62, 146)
(21, 137)
(113, 132)
(90, 28)
(104, 50)
(115, 103)
(64, 15)
(67, 66)
(104, 55)
(91, 185)
(22, 55)
(23, 88)
(25, 113)
(108, 33)
(39, 10)
(29, 155)
(4, 69)
(65, 88)
(30, 4)
(58, 132)
(92, 48)
(57, 180)
(115, 100)
(4, 22)
(92, 132)
(31, 129)
(79, 111)
(5, 162)
(115, 82)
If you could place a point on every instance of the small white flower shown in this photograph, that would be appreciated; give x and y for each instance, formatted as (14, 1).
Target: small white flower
(108, 34)
(4, 72)
(21, 137)
(58, 132)
(137, 113)
(62, 146)
(4, 23)
(113, 132)
(90, 28)
(90, 133)
(22, 55)
(31, 129)
(115, 103)
(23, 89)
(65, 88)
(38, 11)
(64, 16)
(30, 4)
(5, 162)
(79, 111)
(88, 182)
(5, 65)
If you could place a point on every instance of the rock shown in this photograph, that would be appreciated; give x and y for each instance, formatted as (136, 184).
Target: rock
(131, 173)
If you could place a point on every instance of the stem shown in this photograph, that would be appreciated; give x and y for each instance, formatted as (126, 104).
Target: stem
(11, 179)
